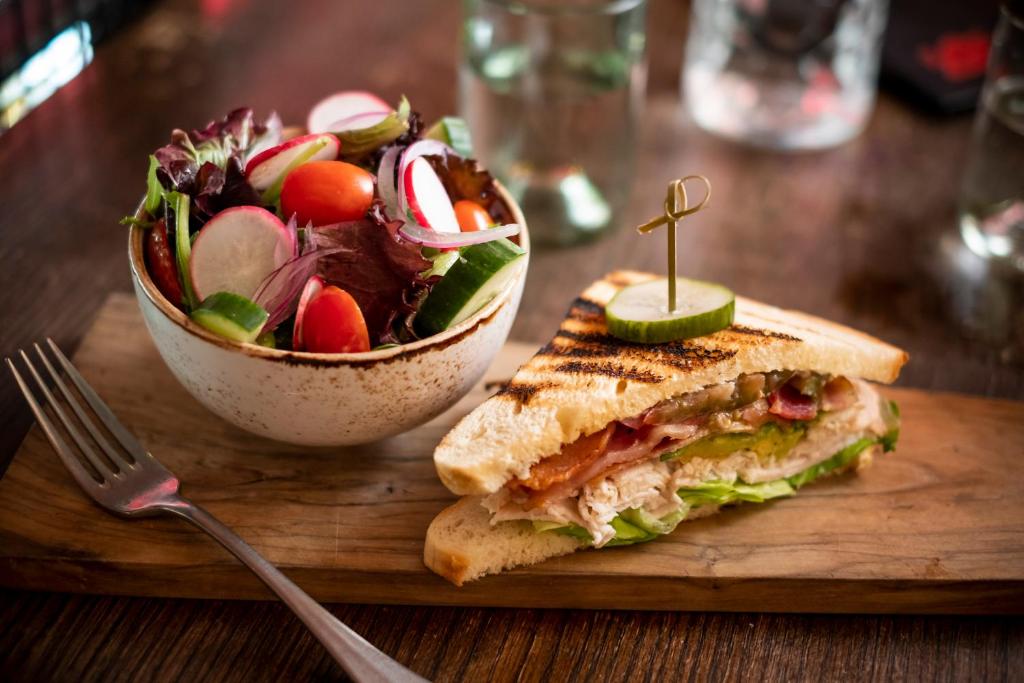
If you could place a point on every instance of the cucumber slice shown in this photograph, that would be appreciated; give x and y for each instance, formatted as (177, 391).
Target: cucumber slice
(639, 313)
(479, 275)
(231, 316)
(452, 131)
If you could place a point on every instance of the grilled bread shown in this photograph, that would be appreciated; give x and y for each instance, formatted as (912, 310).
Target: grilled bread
(584, 379)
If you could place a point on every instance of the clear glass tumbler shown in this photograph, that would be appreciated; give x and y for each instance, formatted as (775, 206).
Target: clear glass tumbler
(992, 195)
(551, 90)
(784, 74)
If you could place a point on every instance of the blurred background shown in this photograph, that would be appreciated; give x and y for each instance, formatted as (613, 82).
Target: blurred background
(859, 223)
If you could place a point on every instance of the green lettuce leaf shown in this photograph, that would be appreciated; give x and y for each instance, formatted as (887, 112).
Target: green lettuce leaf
(891, 415)
(642, 519)
(154, 190)
(837, 461)
(628, 534)
(723, 492)
(573, 530)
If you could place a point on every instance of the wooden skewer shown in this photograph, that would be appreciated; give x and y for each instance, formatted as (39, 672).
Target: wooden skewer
(676, 208)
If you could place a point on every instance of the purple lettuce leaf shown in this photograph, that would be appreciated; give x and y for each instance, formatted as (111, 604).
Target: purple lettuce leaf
(208, 164)
(374, 265)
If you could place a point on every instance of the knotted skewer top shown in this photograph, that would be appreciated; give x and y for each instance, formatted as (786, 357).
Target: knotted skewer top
(676, 208)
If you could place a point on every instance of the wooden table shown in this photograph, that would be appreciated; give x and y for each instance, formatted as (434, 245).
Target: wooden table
(859, 234)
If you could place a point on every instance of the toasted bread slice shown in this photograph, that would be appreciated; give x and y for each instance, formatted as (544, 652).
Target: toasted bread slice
(585, 378)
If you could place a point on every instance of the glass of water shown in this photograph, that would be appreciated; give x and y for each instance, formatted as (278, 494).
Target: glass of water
(992, 196)
(784, 74)
(551, 90)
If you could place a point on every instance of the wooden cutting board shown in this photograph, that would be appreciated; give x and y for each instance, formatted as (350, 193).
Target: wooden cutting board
(938, 526)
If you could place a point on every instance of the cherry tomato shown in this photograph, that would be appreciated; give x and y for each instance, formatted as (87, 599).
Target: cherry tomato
(326, 192)
(160, 263)
(333, 323)
(472, 216)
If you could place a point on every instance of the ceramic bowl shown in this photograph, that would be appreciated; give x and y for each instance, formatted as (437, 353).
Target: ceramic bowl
(319, 399)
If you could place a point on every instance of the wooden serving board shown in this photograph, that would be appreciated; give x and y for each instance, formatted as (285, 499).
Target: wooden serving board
(938, 526)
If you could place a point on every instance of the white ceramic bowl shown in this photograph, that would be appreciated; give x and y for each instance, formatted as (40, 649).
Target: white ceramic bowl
(320, 399)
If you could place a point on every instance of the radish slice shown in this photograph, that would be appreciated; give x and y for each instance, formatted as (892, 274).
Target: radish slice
(427, 198)
(340, 106)
(269, 166)
(417, 234)
(411, 154)
(237, 249)
(313, 287)
(367, 119)
(386, 180)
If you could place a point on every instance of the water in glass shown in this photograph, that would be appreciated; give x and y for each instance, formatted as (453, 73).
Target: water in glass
(784, 74)
(992, 197)
(551, 92)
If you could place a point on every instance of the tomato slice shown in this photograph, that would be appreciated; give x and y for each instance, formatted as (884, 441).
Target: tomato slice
(472, 216)
(333, 323)
(325, 192)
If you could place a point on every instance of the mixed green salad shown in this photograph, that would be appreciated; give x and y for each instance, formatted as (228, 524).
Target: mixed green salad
(366, 231)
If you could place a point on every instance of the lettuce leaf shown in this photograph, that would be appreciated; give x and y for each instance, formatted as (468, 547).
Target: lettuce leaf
(837, 461)
(723, 492)
(891, 415)
(574, 530)
(154, 190)
(208, 164)
(628, 534)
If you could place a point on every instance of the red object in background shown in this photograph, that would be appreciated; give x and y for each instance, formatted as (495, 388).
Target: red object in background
(218, 10)
(957, 57)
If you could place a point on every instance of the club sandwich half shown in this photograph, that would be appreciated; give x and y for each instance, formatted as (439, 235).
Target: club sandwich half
(598, 442)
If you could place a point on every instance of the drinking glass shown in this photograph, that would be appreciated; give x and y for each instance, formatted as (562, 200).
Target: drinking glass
(992, 195)
(784, 74)
(551, 90)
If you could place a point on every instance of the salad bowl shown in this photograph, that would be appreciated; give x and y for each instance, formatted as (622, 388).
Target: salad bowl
(321, 399)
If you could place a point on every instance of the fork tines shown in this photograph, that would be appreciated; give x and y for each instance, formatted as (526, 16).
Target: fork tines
(85, 462)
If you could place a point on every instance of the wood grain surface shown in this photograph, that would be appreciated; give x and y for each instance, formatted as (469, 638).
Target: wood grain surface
(861, 234)
(936, 528)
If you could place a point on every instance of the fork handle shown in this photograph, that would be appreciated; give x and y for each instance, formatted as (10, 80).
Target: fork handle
(360, 660)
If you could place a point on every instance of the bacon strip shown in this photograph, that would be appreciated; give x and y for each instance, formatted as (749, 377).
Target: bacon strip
(562, 466)
(624, 447)
(787, 402)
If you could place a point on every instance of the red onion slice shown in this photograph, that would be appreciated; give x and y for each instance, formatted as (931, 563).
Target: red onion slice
(386, 180)
(279, 292)
(426, 237)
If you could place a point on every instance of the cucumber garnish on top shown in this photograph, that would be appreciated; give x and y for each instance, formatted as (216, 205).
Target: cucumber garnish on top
(640, 313)
(673, 308)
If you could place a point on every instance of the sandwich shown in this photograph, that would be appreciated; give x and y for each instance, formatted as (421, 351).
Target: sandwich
(597, 442)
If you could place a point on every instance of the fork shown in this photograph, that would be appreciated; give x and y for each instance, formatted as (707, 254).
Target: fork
(132, 483)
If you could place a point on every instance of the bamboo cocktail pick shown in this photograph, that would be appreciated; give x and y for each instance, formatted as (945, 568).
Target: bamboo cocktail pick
(676, 209)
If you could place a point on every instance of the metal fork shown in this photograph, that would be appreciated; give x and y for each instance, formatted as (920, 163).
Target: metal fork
(130, 482)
